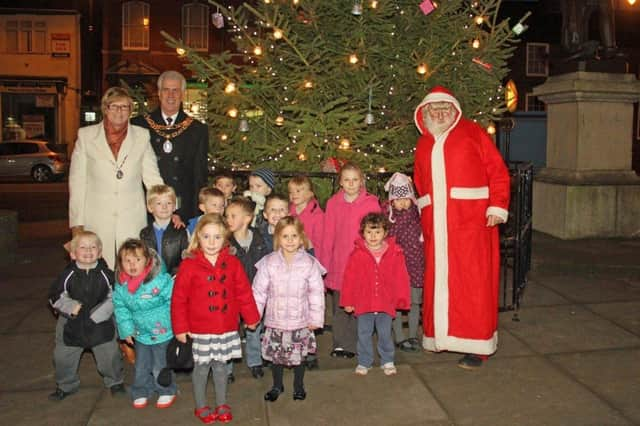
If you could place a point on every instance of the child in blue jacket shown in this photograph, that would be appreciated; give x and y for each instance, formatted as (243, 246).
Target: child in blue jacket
(142, 306)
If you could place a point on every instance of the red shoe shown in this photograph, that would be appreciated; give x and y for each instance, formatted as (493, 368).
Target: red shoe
(224, 417)
(205, 415)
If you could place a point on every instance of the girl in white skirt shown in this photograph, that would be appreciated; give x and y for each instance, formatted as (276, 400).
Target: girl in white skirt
(210, 292)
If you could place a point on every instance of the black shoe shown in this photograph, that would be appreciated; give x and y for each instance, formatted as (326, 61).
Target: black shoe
(406, 346)
(273, 394)
(257, 372)
(415, 343)
(118, 389)
(312, 363)
(470, 362)
(59, 394)
(337, 353)
(299, 395)
(231, 378)
(347, 354)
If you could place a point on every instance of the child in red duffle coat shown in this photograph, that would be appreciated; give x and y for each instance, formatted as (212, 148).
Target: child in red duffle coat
(211, 291)
(375, 285)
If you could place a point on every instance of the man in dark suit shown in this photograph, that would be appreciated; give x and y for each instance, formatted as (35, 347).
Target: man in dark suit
(180, 142)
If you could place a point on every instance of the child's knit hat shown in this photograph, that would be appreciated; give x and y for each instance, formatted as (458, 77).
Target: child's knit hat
(266, 175)
(400, 186)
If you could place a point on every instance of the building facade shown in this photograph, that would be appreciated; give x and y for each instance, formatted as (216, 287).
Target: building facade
(40, 74)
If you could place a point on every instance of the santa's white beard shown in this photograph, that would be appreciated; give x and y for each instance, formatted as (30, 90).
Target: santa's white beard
(435, 128)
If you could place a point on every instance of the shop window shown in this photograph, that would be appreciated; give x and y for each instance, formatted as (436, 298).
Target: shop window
(195, 26)
(26, 36)
(534, 104)
(537, 59)
(135, 25)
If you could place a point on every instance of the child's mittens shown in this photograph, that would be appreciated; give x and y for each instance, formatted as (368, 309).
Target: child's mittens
(67, 306)
(102, 312)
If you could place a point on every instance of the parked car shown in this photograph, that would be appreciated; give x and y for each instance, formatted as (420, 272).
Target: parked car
(41, 160)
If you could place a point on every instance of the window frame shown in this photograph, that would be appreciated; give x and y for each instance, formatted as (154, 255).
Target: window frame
(203, 27)
(127, 26)
(546, 60)
(528, 96)
(25, 34)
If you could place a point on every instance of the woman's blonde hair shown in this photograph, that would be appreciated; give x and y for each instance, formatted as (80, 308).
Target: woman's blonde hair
(297, 224)
(112, 94)
(208, 219)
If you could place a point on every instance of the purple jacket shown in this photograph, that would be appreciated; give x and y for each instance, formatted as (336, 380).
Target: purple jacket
(405, 226)
(293, 293)
(341, 226)
(312, 217)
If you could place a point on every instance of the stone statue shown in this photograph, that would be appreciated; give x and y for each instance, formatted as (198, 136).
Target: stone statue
(575, 29)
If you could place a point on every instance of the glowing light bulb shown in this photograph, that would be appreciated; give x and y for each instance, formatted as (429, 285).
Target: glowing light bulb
(491, 129)
(277, 34)
(479, 20)
(279, 120)
(631, 2)
(224, 137)
(230, 88)
(308, 84)
(257, 50)
(232, 112)
(302, 156)
(145, 22)
(353, 58)
(475, 43)
(374, 4)
(422, 69)
(344, 144)
(180, 51)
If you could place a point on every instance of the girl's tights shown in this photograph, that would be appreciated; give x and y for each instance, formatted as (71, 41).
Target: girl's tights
(200, 376)
(298, 377)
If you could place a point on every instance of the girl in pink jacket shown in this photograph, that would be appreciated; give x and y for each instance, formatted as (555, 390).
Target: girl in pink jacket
(341, 223)
(289, 283)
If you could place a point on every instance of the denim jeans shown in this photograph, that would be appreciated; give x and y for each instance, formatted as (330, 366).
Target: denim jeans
(381, 323)
(150, 359)
(253, 347)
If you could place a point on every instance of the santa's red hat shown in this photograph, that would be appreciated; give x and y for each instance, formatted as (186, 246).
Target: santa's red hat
(437, 94)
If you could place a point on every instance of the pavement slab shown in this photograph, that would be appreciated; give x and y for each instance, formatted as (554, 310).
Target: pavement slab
(613, 374)
(516, 391)
(624, 314)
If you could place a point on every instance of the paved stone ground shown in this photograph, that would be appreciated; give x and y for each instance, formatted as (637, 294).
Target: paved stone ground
(572, 359)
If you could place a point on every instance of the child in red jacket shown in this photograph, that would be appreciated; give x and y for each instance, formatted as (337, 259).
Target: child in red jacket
(375, 285)
(210, 292)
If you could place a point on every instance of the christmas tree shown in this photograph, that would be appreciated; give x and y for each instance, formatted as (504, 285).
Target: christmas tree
(315, 82)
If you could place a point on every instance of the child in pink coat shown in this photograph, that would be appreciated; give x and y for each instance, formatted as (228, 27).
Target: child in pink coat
(305, 206)
(289, 288)
(342, 217)
(376, 284)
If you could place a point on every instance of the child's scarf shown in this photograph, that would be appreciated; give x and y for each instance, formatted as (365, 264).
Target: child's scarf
(134, 282)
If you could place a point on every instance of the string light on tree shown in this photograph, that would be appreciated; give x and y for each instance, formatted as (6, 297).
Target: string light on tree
(180, 51)
(232, 112)
(257, 50)
(229, 88)
(491, 129)
(422, 69)
(475, 43)
(277, 33)
(353, 59)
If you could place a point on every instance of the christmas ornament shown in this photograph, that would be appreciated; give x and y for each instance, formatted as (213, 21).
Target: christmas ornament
(422, 69)
(217, 19)
(344, 144)
(243, 126)
(279, 120)
(487, 66)
(369, 119)
(357, 8)
(332, 165)
(427, 7)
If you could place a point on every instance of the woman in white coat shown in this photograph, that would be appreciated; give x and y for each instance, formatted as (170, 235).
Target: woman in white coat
(110, 163)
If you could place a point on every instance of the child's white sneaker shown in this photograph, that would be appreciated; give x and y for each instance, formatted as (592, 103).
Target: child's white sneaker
(165, 401)
(389, 369)
(361, 370)
(140, 402)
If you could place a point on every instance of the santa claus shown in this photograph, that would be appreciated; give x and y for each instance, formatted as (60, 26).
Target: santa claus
(463, 186)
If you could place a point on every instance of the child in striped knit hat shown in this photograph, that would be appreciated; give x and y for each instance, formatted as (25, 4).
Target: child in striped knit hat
(405, 227)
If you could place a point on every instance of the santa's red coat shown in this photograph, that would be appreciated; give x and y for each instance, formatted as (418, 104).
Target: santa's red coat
(461, 179)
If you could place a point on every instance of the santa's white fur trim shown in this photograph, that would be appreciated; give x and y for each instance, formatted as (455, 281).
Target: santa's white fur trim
(498, 211)
(423, 201)
(478, 193)
(459, 344)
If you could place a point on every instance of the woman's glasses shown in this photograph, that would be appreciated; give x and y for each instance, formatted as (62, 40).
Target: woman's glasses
(119, 108)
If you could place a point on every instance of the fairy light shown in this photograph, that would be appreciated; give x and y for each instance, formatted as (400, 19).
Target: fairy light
(422, 69)
(224, 137)
(344, 144)
(279, 120)
(353, 59)
(475, 43)
(491, 129)
(308, 84)
(302, 156)
(277, 34)
(374, 4)
(479, 20)
(257, 50)
(180, 51)
(230, 88)
(232, 112)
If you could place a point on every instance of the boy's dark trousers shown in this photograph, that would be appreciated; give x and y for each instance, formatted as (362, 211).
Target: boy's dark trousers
(66, 360)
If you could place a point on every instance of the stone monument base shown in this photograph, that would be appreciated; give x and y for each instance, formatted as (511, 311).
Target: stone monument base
(586, 204)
